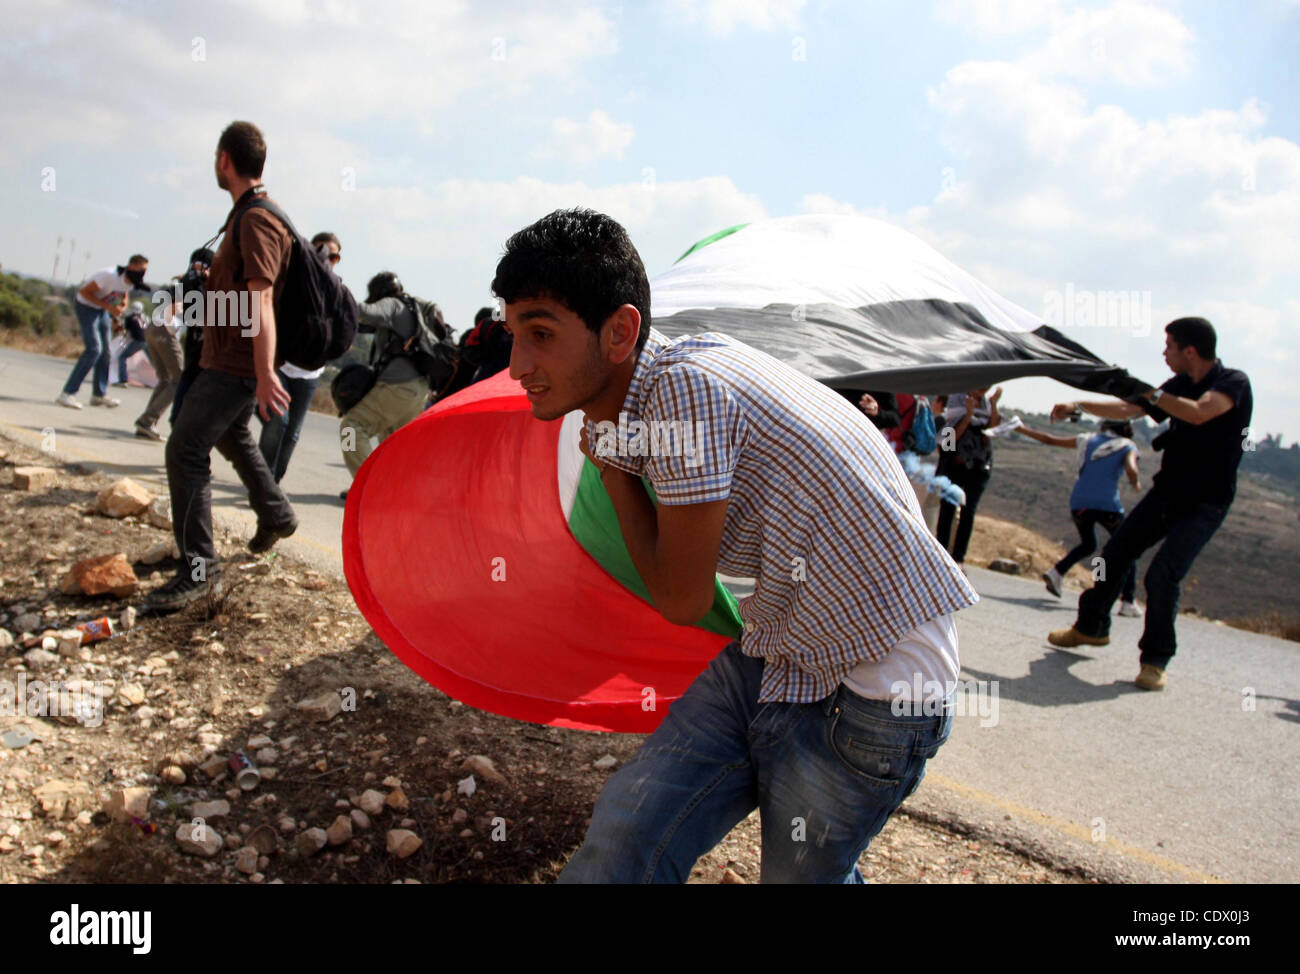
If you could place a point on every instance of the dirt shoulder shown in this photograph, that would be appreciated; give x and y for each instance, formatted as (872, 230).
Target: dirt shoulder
(390, 754)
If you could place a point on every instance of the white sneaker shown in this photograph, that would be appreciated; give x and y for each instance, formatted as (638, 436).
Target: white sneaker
(107, 401)
(66, 400)
(1053, 579)
(147, 432)
(1129, 609)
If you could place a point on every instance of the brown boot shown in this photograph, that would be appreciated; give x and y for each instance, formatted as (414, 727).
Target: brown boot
(1069, 638)
(1151, 677)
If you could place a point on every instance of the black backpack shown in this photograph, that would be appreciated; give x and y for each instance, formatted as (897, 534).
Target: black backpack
(316, 319)
(431, 349)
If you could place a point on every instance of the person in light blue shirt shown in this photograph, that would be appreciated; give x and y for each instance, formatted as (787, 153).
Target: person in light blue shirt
(1103, 457)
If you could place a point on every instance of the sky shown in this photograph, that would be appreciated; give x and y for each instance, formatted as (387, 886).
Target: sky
(1145, 150)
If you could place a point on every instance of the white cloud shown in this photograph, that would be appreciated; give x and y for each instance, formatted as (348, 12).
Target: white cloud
(583, 142)
(445, 238)
(723, 16)
(316, 66)
(993, 18)
(1127, 43)
(821, 203)
(1054, 191)
(1252, 328)
(1200, 198)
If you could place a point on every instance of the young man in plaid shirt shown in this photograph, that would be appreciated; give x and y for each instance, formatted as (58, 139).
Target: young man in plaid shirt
(814, 714)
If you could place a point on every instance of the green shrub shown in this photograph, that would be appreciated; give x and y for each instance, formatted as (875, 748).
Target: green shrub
(16, 312)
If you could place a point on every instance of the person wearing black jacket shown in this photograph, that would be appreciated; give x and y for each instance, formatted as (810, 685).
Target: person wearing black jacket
(1209, 408)
(965, 458)
(191, 282)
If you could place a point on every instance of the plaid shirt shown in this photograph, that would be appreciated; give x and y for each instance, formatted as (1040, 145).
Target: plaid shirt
(821, 514)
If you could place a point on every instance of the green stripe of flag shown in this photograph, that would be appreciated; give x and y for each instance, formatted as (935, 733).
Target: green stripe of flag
(710, 239)
(594, 524)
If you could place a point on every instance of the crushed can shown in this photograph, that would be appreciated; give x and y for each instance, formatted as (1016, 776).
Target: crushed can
(247, 777)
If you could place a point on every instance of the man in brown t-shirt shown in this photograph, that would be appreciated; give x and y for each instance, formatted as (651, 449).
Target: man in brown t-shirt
(238, 375)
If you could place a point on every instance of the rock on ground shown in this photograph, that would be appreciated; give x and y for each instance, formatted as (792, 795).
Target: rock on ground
(321, 707)
(312, 841)
(199, 840)
(246, 860)
(123, 498)
(33, 478)
(60, 798)
(340, 831)
(403, 842)
(371, 801)
(96, 576)
(207, 810)
(125, 804)
(483, 766)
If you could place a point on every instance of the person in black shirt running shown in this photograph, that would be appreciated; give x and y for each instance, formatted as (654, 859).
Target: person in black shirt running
(1208, 407)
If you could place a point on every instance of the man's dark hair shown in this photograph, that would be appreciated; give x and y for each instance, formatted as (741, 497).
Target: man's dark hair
(325, 237)
(203, 255)
(243, 142)
(1120, 427)
(1196, 332)
(138, 259)
(580, 258)
(383, 285)
(481, 315)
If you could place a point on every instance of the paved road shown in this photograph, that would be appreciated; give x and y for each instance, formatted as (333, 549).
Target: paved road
(1069, 759)
(106, 437)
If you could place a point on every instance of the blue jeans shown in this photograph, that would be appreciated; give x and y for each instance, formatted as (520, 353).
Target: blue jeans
(1185, 529)
(280, 433)
(96, 331)
(132, 346)
(825, 777)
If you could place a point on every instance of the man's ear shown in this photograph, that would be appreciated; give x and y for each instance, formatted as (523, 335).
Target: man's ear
(620, 333)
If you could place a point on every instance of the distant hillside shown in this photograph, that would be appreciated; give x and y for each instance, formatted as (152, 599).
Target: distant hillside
(1265, 459)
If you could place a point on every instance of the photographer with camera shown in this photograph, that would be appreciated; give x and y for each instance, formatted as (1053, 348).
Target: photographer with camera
(192, 281)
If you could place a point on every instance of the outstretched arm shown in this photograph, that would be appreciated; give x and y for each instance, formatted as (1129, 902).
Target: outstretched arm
(1115, 409)
(1048, 438)
(1195, 411)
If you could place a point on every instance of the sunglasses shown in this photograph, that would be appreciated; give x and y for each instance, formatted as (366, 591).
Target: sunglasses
(333, 258)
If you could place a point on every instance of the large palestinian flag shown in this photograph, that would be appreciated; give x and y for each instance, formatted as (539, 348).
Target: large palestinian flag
(482, 548)
(480, 545)
(861, 304)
